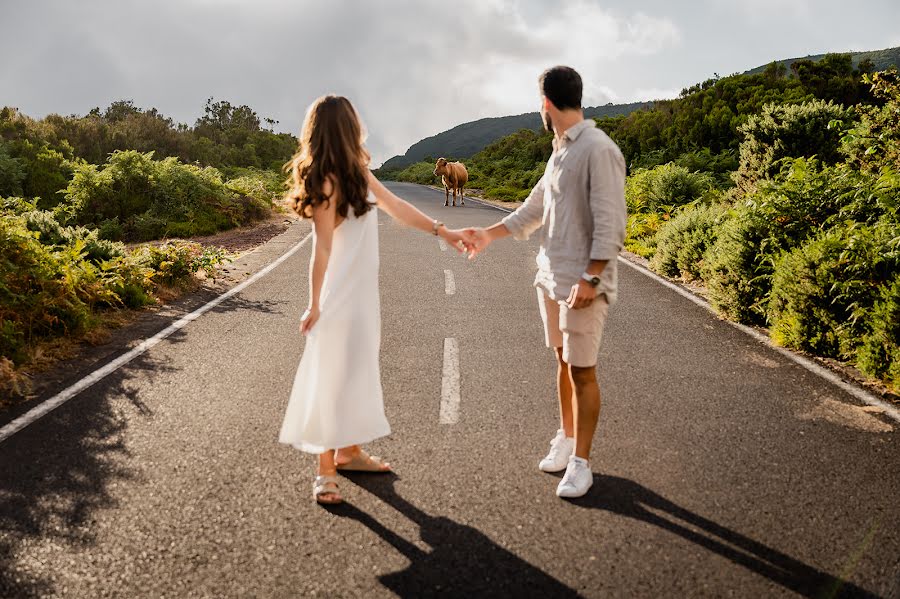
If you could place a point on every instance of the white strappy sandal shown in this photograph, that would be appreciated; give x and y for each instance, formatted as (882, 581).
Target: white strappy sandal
(326, 485)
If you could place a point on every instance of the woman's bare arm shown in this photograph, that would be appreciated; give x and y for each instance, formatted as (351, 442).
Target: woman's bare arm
(323, 232)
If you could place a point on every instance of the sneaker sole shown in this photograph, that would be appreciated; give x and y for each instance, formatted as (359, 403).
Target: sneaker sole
(572, 494)
(550, 469)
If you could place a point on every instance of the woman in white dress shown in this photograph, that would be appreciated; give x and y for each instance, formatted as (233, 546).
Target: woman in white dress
(336, 402)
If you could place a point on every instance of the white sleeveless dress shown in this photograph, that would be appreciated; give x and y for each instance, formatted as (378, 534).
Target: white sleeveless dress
(337, 399)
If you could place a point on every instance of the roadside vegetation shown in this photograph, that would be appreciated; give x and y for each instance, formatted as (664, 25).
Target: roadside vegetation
(95, 210)
(778, 192)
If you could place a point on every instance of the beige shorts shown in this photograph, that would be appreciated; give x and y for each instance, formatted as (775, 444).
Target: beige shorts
(578, 332)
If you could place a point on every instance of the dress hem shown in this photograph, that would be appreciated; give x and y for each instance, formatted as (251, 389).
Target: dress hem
(319, 448)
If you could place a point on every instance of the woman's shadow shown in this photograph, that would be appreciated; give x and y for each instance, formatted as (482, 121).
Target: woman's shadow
(463, 561)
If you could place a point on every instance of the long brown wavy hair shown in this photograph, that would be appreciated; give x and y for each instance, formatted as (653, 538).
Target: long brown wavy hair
(331, 145)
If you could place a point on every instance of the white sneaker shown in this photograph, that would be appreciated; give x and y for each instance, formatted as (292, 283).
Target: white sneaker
(561, 447)
(577, 479)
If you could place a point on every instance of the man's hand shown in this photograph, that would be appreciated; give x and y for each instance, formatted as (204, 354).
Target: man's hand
(462, 240)
(581, 296)
(480, 239)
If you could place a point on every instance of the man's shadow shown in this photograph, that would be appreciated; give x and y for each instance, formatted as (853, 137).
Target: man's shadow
(628, 498)
(463, 561)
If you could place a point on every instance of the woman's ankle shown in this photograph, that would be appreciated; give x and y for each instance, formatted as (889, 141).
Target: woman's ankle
(347, 452)
(327, 465)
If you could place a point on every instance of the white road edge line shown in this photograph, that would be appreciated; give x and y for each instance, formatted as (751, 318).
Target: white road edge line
(449, 282)
(450, 383)
(443, 244)
(71, 391)
(811, 366)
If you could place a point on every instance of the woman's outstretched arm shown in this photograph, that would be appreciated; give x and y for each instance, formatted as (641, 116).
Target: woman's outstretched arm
(323, 232)
(408, 214)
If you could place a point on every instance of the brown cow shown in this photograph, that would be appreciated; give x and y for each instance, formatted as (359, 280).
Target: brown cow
(454, 176)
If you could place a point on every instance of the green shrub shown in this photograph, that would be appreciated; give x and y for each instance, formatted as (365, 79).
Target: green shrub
(879, 351)
(789, 131)
(682, 241)
(55, 280)
(51, 233)
(640, 233)
(804, 200)
(875, 141)
(152, 199)
(111, 229)
(16, 205)
(737, 267)
(12, 173)
(824, 290)
(665, 187)
(173, 262)
(507, 193)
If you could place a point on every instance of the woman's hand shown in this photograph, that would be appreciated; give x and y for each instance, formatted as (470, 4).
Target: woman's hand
(309, 319)
(462, 240)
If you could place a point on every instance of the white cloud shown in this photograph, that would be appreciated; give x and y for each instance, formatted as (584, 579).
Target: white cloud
(763, 10)
(412, 68)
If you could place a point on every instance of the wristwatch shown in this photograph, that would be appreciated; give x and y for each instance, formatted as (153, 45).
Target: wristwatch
(435, 225)
(594, 280)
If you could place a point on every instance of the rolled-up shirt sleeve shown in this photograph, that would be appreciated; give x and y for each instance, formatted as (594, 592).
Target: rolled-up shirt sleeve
(607, 200)
(528, 217)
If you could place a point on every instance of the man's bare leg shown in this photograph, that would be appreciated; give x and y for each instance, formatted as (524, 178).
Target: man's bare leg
(586, 398)
(564, 391)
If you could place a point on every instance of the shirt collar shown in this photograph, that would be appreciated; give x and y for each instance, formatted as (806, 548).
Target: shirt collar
(574, 131)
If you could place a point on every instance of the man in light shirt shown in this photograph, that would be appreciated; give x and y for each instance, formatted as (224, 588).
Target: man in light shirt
(580, 201)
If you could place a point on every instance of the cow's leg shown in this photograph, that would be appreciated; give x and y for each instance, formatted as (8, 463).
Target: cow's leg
(446, 196)
(454, 197)
(462, 199)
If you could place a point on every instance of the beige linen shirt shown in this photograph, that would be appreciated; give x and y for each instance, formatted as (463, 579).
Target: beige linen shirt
(580, 201)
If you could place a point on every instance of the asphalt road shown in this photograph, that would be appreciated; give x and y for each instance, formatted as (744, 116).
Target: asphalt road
(721, 468)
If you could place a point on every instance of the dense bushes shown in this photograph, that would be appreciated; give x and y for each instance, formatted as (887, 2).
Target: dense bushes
(823, 291)
(789, 131)
(681, 245)
(137, 198)
(806, 199)
(82, 185)
(875, 141)
(879, 351)
(55, 280)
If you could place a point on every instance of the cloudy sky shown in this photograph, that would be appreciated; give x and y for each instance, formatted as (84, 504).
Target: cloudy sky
(413, 68)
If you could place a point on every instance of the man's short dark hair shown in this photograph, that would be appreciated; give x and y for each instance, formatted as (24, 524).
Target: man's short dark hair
(562, 86)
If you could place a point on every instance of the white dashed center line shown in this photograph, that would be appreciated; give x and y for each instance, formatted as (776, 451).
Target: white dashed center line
(450, 383)
(449, 283)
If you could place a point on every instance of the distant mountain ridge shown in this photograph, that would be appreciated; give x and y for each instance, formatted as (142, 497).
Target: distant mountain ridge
(881, 59)
(470, 138)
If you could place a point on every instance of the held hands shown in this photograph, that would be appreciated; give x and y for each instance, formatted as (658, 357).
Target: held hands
(461, 240)
(309, 319)
(582, 295)
(478, 240)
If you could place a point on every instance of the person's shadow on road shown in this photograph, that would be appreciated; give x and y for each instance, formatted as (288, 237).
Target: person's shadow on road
(628, 498)
(463, 561)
